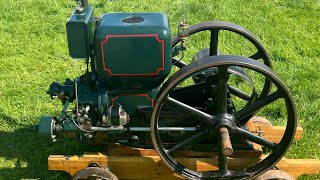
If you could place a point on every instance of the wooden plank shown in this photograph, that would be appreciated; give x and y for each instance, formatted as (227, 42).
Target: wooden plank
(151, 167)
(73, 164)
(121, 150)
(141, 168)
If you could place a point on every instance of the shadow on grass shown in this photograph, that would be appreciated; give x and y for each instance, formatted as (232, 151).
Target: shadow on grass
(24, 154)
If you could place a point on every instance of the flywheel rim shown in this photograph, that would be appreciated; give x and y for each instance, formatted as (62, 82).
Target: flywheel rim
(228, 26)
(216, 26)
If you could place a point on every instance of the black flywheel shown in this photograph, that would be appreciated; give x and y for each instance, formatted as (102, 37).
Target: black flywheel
(220, 120)
(215, 31)
(216, 27)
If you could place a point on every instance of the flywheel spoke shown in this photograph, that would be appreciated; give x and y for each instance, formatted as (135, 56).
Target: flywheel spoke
(256, 56)
(256, 139)
(178, 62)
(222, 89)
(239, 93)
(202, 116)
(188, 142)
(214, 38)
(250, 109)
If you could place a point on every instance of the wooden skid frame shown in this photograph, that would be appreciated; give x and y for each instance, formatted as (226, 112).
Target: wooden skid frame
(151, 167)
(138, 163)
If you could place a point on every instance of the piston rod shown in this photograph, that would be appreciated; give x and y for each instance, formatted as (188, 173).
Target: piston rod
(144, 129)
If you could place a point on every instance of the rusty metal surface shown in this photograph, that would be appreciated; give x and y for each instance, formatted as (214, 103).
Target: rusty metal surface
(96, 172)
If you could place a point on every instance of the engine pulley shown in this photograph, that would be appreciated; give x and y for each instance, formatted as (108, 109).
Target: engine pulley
(115, 116)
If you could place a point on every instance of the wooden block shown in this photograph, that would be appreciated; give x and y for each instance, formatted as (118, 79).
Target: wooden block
(260, 121)
(297, 167)
(261, 126)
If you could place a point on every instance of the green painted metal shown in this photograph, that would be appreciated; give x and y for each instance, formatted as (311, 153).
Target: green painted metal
(80, 30)
(69, 126)
(45, 127)
(130, 102)
(133, 50)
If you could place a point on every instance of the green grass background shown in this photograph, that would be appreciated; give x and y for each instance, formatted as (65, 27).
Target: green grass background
(33, 53)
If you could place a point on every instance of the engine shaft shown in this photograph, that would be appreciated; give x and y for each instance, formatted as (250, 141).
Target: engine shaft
(226, 145)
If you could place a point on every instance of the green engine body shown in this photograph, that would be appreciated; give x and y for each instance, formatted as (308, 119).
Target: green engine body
(132, 51)
(134, 48)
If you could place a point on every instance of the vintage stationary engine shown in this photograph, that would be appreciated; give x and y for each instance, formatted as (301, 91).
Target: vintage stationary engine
(124, 96)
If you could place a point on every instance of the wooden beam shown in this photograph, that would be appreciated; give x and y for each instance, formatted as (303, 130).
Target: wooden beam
(121, 150)
(151, 167)
(137, 163)
(73, 164)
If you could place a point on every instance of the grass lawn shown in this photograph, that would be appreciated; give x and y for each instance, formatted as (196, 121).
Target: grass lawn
(33, 53)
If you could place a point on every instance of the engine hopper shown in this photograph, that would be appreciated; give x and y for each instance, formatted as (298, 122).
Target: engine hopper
(133, 50)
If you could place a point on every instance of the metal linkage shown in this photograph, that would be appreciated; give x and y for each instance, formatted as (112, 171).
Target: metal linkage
(143, 129)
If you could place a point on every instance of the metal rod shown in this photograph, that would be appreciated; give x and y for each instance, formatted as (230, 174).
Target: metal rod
(178, 62)
(214, 42)
(222, 94)
(65, 109)
(93, 128)
(257, 139)
(144, 129)
(239, 93)
(76, 89)
(250, 109)
(188, 142)
(223, 162)
(255, 56)
(202, 116)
